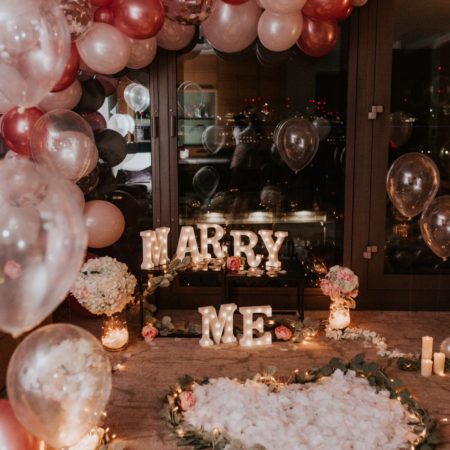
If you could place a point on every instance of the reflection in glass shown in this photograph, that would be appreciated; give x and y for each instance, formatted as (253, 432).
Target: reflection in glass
(420, 112)
(232, 118)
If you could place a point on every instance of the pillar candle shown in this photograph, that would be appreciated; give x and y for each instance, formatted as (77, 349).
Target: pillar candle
(187, 243)
(247, 339)
(247, 249)
(273, 247)
(427, 347)
(221, 327)
(426, 367)
(439, 363)
(214, 240)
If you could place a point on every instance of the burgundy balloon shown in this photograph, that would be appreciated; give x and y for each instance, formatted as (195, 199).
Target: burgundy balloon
(318, 38)
(104, 14)
(95, 120)
(71, 70)
(101, 3)
(13, 435)
(327, 9)
(16, 128)
(109, 83)
(138, 19)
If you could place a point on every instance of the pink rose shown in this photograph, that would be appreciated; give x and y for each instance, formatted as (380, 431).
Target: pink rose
(12, 269)
(233, 263)
(187, 400)
(283, 333)
(325, 286)
(149, 332)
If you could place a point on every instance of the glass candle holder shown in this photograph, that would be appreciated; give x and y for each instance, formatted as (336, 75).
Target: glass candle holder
(339, 318)
(115, 334)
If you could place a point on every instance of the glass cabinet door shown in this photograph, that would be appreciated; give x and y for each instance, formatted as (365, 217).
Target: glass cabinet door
(230, 170)
(417, 119)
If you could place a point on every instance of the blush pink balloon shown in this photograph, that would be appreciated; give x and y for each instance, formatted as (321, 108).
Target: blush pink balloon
(232, 28)
(5, 104)
(12, 434)
(104, 49)
(279, 32)
(66, 99)
(143, 52)
(174, 35)
(104, 222)
(95, 119)
(283, 6)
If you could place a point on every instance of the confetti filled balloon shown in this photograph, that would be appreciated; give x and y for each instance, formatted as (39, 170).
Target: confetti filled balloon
(175, 36)
(188, 12)
(59, 382)
(78, 15)
(35, 43)
(435, 226)
(412, 183)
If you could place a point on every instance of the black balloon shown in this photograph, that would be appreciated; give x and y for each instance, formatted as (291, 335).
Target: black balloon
(88, 183)
(112, 147)
(268, 58)
(128, 205)
(93, 96)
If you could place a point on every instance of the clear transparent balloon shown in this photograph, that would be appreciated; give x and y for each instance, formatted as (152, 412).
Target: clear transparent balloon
(137, 97)
(64, 141)
(42, 243)
(35, 43)
(59, 382)
(412, 183)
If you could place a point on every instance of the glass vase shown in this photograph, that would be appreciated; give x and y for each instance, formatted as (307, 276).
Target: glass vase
(339, 318)
(115, 332)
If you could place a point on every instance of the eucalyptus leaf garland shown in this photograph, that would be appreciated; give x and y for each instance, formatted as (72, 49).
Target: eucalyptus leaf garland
(425, 427)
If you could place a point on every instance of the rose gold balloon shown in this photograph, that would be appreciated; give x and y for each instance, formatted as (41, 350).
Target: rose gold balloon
(435, 226)
(66, 99)
(71, 70)
(13, 436)
(318, 37)
(283, 6)
(5, 104)
(138, 19)
(104, 14)
(104, 222)
(328, 9)
(143, 52)
(412, 183)
(358, 3)
(279, 32)
(232, 28)
(175, 36)
(104, 49)
(188, 12)
(78, 15)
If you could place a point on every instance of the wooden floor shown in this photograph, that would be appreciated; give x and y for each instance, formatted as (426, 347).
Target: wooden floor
(133, 411)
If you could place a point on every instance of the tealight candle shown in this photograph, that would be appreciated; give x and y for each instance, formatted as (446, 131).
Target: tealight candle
(439, 363)
(339, 319)
(427, 347)
(426, 367)
(114, 334)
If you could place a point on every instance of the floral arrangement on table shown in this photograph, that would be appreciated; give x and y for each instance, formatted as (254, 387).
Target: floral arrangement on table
(341, 285)
(182, 404)
(104, 286)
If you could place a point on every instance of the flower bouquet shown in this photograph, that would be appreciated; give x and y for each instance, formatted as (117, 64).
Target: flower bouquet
(341, 285)
(104, 286)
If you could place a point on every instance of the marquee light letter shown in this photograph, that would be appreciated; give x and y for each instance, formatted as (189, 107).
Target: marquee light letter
(213, 240)
(239, 247)
(221, 327)
(273, 247)
(154, 248)
(187, 243)
(247, 312)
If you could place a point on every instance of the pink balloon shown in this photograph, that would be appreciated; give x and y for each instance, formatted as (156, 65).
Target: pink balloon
(279, 32)
(232, 28)
(143, 52)
(104, 222)
(5, 104)
(66, 99)
(13, 435)
(174, 35)
(104, 49)
(283, 6)
(95, 119)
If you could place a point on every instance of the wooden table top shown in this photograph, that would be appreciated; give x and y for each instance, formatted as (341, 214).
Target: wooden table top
(136, 401)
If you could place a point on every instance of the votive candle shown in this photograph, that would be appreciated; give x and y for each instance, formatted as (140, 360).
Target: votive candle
(426, 367)
(427, 347)
(439, 363)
